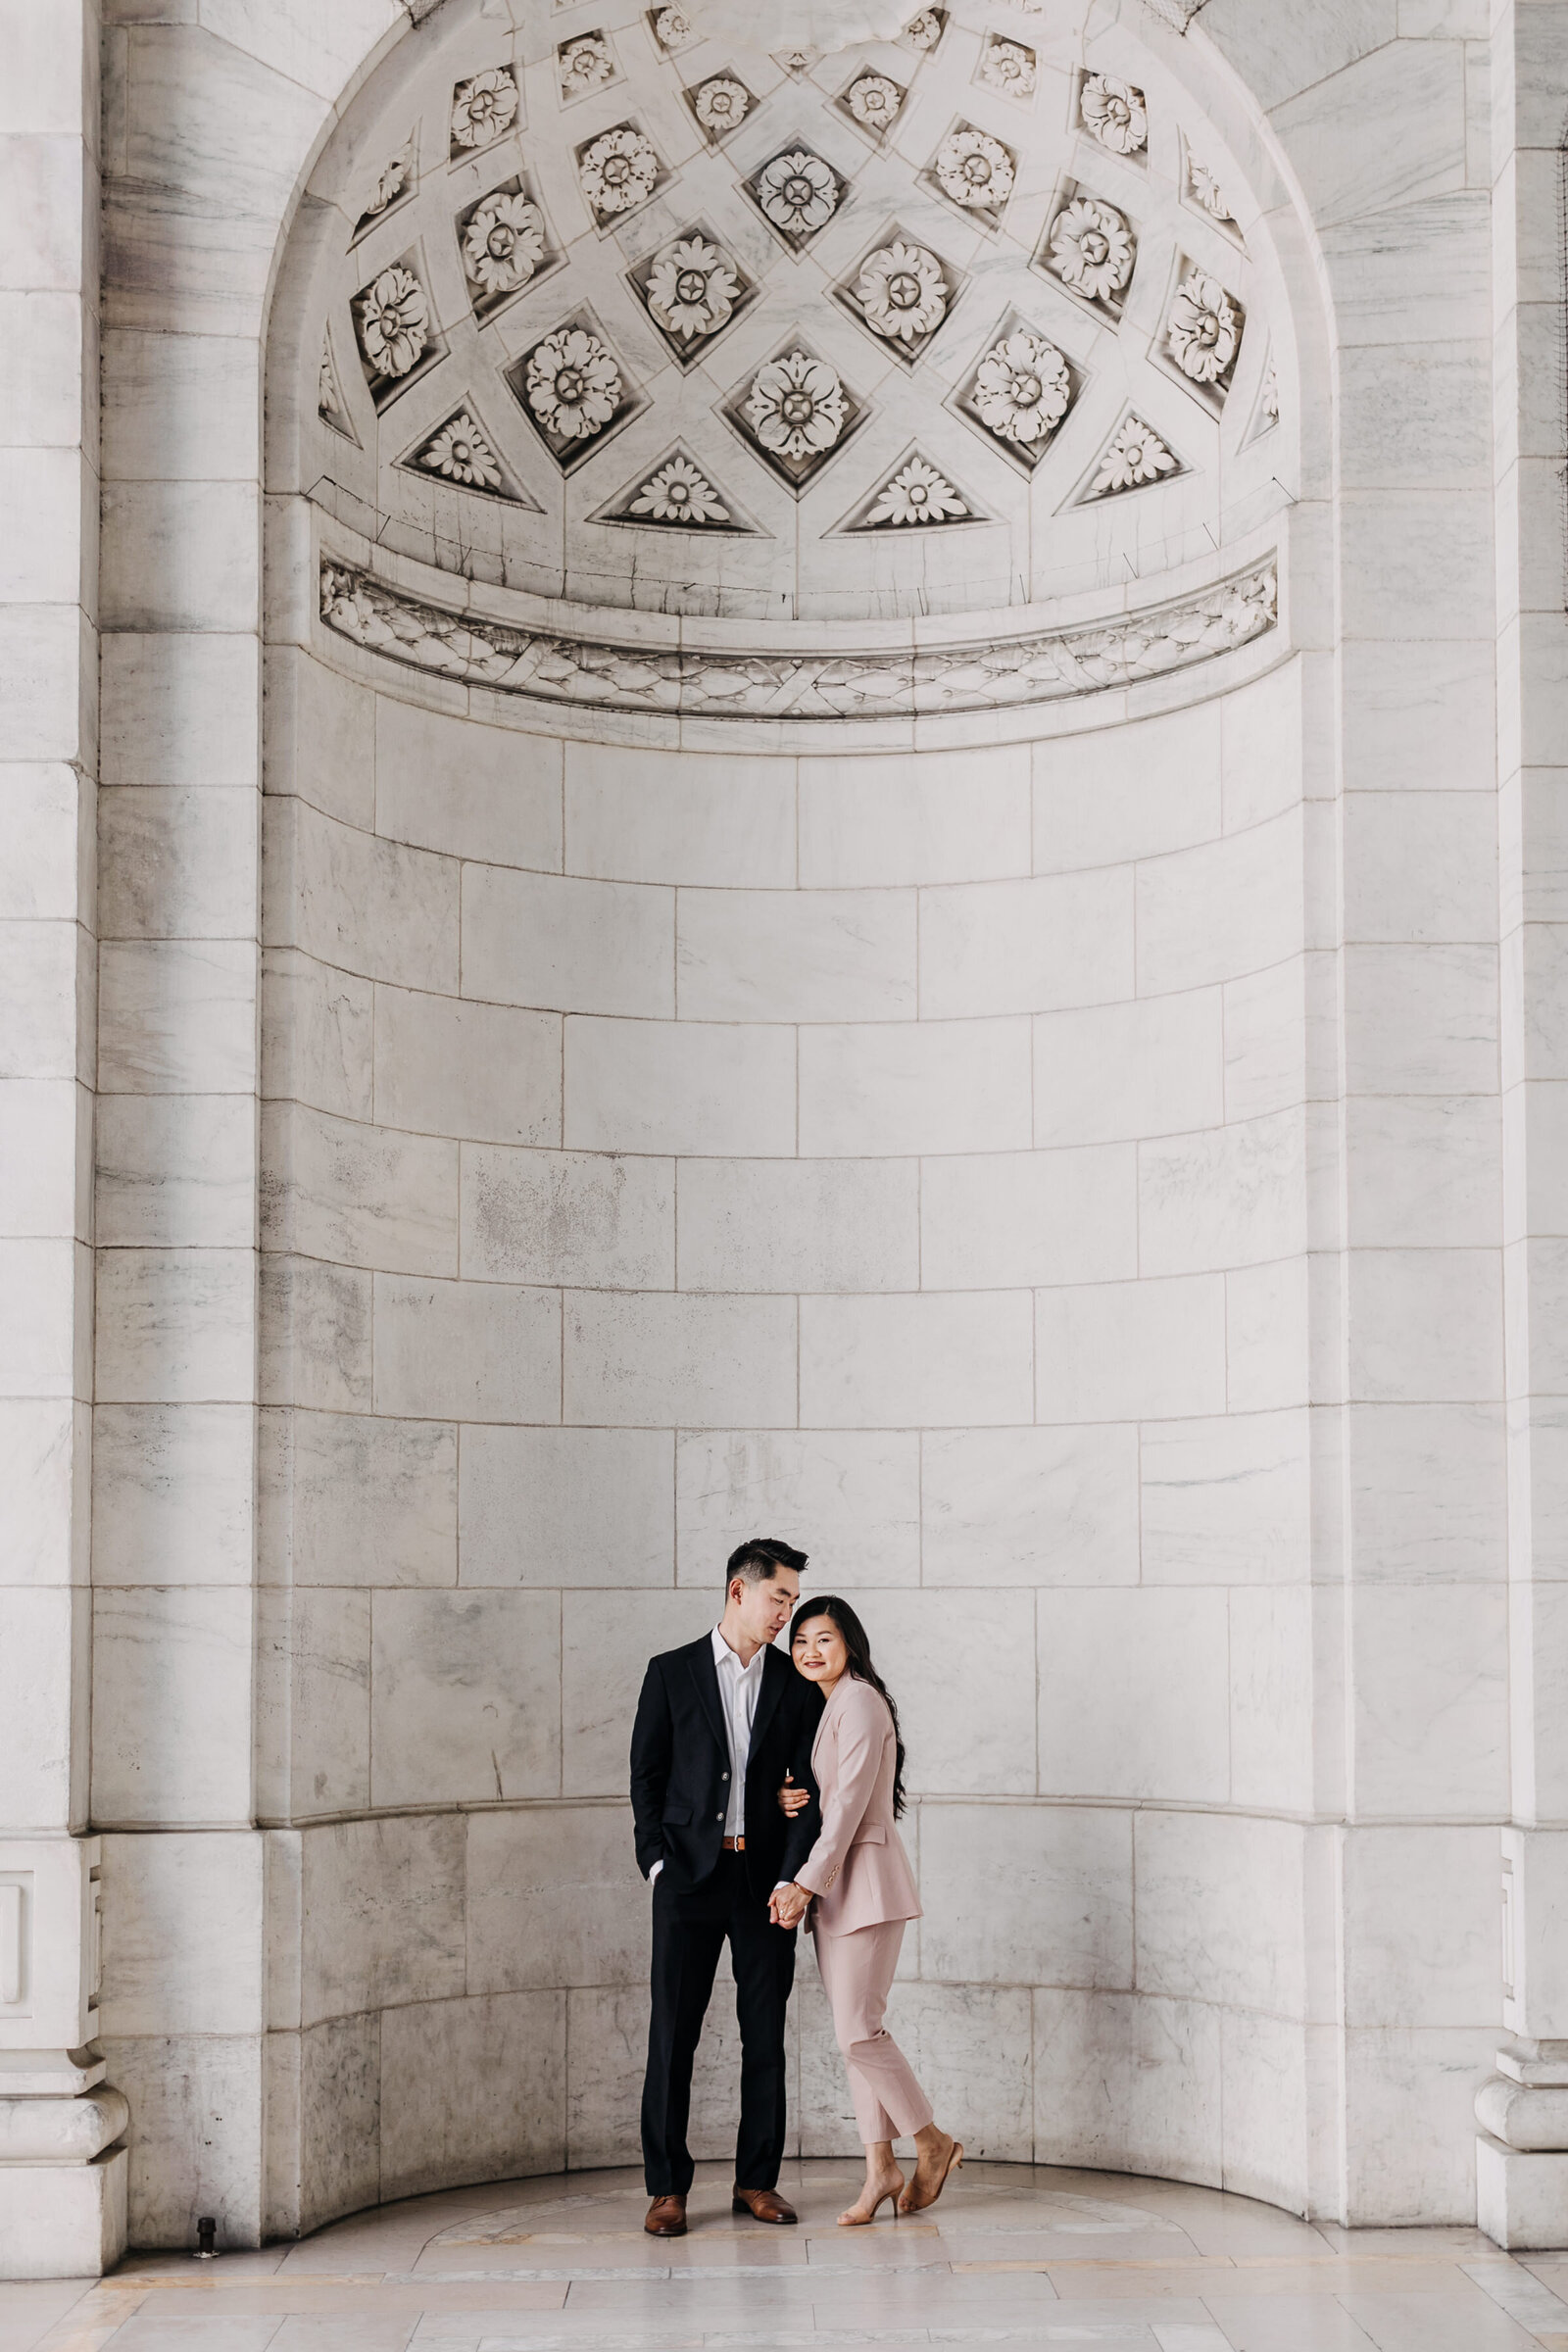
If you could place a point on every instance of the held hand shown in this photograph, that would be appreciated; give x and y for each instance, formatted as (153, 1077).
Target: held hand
(792, 1799)
(788, 1905)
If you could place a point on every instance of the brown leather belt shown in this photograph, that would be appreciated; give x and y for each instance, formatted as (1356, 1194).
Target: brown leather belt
(734, 1845)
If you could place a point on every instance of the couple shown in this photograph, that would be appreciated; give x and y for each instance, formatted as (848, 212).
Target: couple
(763, 1791)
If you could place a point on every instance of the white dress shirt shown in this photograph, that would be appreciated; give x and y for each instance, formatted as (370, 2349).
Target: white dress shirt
(738, 1689)
(738, 1686)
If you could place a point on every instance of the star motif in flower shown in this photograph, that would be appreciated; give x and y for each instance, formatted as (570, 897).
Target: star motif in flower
(796, 410)
(461, 452)
(584, 64)
(1134, 454)
(504, 242)
(798, 192)
(619, 170)
(1009, 66)
(677, 492)
(692, 289)
(1113, 112)
(393, 318)
(1091, 249)
(974, 169)
(1021, 389)
(916, 493)
(483, 109)
(572, 384)
(901, 292)
(721, 104)
(874, 99)
(1204, 332)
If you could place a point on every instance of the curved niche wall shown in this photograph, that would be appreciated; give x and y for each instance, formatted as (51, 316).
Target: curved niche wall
(784, 1008)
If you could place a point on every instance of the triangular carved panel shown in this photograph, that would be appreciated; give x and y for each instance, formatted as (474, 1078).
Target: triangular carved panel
(679, 494)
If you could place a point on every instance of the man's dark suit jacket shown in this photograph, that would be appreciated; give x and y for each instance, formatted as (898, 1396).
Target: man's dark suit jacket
(680, 1770)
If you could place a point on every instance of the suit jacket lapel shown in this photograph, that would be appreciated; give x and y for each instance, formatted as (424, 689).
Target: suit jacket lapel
(776, 1673)
(705, 1673)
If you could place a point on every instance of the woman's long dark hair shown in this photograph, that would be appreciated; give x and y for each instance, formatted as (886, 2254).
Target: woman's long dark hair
(828, 1605)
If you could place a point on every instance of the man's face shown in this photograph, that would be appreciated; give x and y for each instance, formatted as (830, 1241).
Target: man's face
(766, 1607)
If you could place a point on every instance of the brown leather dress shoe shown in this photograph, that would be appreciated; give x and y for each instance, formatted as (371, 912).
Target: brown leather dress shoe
(667, 2218)
(763, 2205)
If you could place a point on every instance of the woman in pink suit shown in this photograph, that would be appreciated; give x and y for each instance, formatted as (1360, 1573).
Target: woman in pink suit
(859, 1887)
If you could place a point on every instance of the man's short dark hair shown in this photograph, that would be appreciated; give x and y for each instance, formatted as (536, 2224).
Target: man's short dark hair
(757, 1560)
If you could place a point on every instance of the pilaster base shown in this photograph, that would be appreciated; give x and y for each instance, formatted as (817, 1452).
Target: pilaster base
(62, 2221)
(1521, 2195)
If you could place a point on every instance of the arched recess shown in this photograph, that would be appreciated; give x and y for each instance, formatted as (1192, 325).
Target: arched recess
(798, 1018)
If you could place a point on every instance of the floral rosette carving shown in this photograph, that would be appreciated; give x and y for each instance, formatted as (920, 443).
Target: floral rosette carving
(798, 192)
(461, 452)
(1009, 66)
(483, 108)
(692, 289)
(796, 406)
(902, 291)
(1204, 332)
(1113, 112)
(503, 243)
(572, 384)
(924, 31)
(1022, 389)
(1134, 454)
(584, 64)
(393, 318)
(875, 101)
(721, 104)
(1092, 249)
(974, 169)
(916, 494)
(679, 493)
(672, 27)
(619, 170)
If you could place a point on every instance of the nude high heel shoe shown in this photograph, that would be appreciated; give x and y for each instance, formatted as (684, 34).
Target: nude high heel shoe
(908, 2204)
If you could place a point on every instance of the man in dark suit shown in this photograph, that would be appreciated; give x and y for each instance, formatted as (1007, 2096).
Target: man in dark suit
(720, 1724)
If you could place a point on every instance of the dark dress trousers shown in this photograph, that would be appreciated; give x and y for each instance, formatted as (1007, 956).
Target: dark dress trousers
(679, 1796)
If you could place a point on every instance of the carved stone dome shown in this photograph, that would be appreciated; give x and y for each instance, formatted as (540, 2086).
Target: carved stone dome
(599, 308)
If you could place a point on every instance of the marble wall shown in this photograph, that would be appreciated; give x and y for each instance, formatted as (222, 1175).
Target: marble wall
(906, 1153)
(1090, 1176)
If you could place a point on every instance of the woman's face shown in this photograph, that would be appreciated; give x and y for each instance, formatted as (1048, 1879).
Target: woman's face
(820, 1652)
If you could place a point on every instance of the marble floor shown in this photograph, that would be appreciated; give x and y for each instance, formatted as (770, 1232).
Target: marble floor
(1013, 2256)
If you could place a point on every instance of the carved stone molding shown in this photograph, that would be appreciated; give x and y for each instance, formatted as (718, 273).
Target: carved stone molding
(1043, 665)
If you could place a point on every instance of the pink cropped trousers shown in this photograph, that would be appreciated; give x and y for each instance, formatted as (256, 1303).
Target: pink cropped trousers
(856, 1972)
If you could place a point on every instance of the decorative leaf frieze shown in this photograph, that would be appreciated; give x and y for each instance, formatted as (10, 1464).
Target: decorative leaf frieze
(1036, 667)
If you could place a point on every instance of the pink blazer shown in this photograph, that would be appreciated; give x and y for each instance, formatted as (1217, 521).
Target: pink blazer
(857, 1869)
